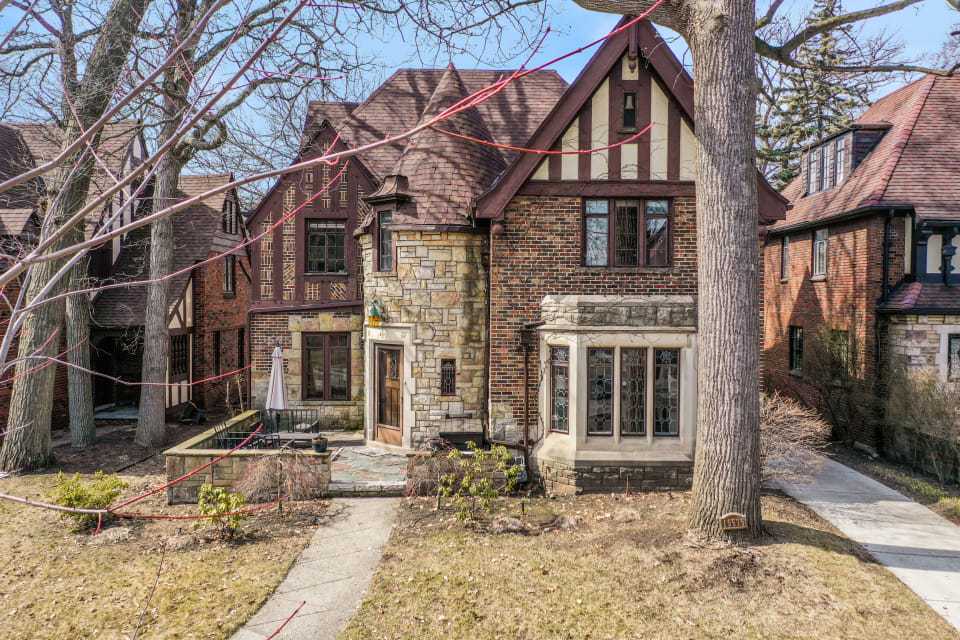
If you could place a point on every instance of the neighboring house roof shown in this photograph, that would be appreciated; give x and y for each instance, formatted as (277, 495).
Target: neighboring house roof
(24, 146)
(915, 164)
(197, 232)
(491, 203)
(923, 297)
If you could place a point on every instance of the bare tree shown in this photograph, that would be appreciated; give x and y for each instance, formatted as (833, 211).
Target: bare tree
(724, 44)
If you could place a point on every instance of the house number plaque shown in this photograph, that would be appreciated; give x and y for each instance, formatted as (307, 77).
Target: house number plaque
(733, 521)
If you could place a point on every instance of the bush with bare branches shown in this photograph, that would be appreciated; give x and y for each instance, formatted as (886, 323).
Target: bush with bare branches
(792, 437)
(290, 472)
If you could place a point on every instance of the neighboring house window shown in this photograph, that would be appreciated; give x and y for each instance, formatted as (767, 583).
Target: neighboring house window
(841, 158)
(630, 111)
(448, 377)
(179, 354)
(633, 392)
(953, 355)
(326, 366)
(820, 252)
(216, 353)
(600, 391)
(828, 151)
(560, 389)
(230, 273)
(638, 235)
(325, 246)
(241, 347)
(666, 392)
(796, 349)
(785, 257)
(385, 242)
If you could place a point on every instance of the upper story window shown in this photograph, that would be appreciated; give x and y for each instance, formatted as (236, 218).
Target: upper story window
(626, 233)
(325, 246)
(820, 252)
(385, 242)
(630, 111)
(841, 158)
(796, 349)
(230, 274)
(827, 165)
(230, 220)
(826, 181)
(784, 257)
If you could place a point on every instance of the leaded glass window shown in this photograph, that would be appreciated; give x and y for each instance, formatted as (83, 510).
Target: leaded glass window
(666, 392)
(633, 389)
(448, 377)
(325, 247)
(953, 355)
(385, 241)
(627, 245)
(560, 389)
(600, 391)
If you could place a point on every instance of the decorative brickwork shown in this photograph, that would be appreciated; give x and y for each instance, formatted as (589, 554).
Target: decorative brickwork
(266, 259)
(439, 287)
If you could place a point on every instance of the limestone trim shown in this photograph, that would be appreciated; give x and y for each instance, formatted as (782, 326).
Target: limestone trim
(398, 335)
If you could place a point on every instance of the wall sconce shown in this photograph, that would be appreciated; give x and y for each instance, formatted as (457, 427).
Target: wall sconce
(373, 316)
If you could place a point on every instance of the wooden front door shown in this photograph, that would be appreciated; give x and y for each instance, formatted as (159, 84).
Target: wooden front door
(389, 395)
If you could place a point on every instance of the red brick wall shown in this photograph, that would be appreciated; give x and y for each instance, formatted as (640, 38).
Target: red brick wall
(846, 299)
(215, 310)
(60, 418)
(540, 254)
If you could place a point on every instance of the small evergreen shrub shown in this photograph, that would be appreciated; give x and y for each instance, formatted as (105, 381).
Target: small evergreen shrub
(76, 494)
(216, 502)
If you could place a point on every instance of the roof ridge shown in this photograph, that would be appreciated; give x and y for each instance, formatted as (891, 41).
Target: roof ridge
(890, 166)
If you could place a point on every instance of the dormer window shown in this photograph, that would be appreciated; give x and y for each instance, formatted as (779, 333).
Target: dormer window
(827, 165)
(841, 158)
(630, 111)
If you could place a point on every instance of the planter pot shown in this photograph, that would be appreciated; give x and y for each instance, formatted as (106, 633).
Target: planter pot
(319, 444)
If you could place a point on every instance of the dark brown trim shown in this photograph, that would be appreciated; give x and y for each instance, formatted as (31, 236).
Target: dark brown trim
(605, 188)
(554, 162)
(641, 236)
(585, 141)
(614, 118)
(433, 228)
(644, 116)
(899, 209)
(326, 365)
(673, 142)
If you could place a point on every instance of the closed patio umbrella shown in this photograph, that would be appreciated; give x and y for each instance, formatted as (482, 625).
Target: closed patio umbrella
(276, 393)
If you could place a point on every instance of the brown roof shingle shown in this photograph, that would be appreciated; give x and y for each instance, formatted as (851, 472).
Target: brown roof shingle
(916, 163)
(923, 297)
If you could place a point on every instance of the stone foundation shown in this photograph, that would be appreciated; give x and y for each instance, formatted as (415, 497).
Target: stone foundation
(564, 478)
(201, 449)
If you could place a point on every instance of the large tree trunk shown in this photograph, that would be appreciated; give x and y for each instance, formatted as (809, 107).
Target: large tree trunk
(727, 468)
(151, 425)
(82, 429)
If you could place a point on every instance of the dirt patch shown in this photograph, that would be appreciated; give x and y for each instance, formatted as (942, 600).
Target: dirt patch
(636, 575)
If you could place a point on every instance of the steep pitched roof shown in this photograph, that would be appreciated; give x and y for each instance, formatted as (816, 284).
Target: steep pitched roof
(196, 233)
(398, 105)
(444, 173)
(915, 164)
(666, 65)
(24, 146)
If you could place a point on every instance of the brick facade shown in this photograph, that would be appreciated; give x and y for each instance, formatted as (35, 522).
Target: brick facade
(540, 254)
(846, 298)
(216, 310)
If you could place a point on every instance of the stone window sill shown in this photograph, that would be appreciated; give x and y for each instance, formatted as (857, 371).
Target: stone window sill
(784, 280)
(797, 373)
(820, 278)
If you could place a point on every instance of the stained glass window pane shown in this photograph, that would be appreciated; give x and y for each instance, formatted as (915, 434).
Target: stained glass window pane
(633, 386)
(596, 255)
(559, 389)
(666, 392)
(627, 251)
(386, 242)
(600, 391)
(954, 355)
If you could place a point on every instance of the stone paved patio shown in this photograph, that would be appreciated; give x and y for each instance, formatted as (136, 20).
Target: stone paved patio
(361, 470)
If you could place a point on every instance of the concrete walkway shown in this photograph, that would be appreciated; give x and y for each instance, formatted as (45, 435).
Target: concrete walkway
(917, 545)
(331, 574)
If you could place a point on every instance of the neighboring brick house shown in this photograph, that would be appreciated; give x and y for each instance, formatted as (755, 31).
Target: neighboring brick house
(24, 146)
(508, 293)
(208, 306)
(874, 217)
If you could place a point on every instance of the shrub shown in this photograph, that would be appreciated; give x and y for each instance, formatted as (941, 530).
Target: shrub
(216, 502)
(74, 493)
(468, 484)
(288, 473)
(791, 438)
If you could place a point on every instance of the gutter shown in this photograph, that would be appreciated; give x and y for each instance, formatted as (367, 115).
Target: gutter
(898, 209)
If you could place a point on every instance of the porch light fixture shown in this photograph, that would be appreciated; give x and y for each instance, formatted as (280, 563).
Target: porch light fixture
(373, 317)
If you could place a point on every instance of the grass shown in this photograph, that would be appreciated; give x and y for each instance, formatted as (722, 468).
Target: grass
(61, 583)
(629, 571)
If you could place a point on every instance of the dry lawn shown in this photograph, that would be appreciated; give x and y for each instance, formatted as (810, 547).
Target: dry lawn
(628, 571)
(61, 583)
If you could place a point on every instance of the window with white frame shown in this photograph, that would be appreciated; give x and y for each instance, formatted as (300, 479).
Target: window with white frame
(820, 252)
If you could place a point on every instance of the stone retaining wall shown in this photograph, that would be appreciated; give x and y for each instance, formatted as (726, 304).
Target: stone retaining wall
(201, 449)
(559, 477)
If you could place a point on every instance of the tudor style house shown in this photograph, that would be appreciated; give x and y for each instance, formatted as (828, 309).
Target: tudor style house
(548, 301)
(207, 318)
(23, 146)
(868, 250)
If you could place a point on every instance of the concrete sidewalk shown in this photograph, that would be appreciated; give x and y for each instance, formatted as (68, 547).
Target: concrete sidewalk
(331, 574)
(917, 545)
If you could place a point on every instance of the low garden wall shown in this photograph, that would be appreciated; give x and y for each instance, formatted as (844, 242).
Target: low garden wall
(201, 449)
(563, 478)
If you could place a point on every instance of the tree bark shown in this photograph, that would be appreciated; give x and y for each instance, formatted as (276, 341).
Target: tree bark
(727, 468)
(82, 428)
